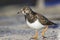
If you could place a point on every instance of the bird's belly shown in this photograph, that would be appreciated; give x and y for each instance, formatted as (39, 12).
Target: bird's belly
(35, 25)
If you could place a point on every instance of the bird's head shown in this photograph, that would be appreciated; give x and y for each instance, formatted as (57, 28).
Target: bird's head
(25, 10)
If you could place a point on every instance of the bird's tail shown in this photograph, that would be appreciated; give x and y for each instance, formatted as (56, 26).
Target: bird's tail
(53, 26)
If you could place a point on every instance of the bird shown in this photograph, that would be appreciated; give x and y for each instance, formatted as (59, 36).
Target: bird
(35, 21)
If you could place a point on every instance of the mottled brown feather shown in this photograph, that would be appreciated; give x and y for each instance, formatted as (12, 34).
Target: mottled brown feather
(44, 20)
(32, 16)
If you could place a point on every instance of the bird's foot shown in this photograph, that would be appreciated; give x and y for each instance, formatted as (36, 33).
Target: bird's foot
(34, 37)
(44, 38)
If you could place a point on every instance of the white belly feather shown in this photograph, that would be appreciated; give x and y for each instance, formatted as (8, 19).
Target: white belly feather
(35, 25)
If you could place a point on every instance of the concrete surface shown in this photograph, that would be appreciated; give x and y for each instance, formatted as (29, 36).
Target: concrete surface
(15, 28)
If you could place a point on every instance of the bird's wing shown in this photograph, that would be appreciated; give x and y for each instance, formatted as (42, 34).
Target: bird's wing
(44, 20)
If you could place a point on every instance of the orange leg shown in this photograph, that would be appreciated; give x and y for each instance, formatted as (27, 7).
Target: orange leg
(44, 30)
(35, 37)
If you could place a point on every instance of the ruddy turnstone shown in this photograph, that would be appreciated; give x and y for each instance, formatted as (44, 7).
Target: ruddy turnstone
(35, 21)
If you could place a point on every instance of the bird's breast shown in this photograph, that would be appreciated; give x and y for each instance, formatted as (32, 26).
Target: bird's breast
(36, 24)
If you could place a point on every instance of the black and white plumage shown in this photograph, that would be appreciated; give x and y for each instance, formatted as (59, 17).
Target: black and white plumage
(35, 20)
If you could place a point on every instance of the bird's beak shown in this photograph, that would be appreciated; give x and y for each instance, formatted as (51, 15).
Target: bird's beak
(19, 12)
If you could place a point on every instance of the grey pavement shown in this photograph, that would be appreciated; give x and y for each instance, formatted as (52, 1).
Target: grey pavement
(15, 28)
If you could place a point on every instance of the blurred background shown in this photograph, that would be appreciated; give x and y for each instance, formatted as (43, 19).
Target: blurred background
(49, 8)
(13, 26)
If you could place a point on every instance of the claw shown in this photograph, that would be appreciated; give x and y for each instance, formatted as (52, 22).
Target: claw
(44, 38)
(33, 38)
